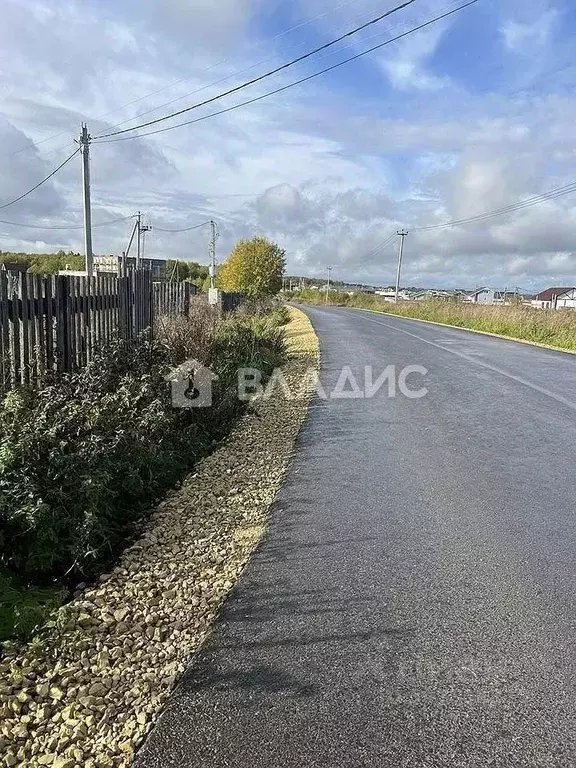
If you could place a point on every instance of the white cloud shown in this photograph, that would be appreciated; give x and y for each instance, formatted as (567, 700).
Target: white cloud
(216, 27)
(527, 37)
(406, 65)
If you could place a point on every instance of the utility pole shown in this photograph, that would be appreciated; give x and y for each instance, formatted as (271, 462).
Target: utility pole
(142, 229)
(139, 239)
(212, 254)
(135, 230)
(85, 152)
(328, 283)
(401, 234)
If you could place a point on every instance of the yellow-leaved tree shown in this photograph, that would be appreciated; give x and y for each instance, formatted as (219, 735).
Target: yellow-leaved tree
(254, 268)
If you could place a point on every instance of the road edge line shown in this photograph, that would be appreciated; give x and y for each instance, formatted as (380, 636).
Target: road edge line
(470, 330)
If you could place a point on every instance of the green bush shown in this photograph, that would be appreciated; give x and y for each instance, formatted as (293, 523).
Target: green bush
(23, 611)
(83, 459)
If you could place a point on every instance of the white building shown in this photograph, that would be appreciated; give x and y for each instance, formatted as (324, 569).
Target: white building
(432, 293)
(482, 295)
(389, 295)
(556, 298)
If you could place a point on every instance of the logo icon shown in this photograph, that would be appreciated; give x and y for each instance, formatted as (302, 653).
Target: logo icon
(191, 385)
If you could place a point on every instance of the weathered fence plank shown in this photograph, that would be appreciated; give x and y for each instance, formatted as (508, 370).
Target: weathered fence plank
(40, 329)
(50, 324)
(25, 339)
(33, 315)
(49, 307)
(5, 330)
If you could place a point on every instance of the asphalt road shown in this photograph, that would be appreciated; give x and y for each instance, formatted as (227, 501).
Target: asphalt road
(414, 601)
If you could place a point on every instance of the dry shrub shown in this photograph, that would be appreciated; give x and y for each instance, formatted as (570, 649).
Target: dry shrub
(191, 337)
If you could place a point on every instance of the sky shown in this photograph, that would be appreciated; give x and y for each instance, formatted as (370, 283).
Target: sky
(465, 116)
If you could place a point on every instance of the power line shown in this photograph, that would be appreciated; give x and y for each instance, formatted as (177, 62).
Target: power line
(186, 229)
(508, 94)
(297, 82)
(64, 226)
(222, 79)
(185, 79)
(553, 194)
(266, 74)
(381, 246)
(54, 172)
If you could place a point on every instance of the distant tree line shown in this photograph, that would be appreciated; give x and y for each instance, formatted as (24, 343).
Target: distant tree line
(52, 263)
(255, 267)
(191, 271)
(44, 263)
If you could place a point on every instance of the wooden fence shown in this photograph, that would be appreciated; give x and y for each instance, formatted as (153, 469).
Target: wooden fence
(172, 298)
(55, 323)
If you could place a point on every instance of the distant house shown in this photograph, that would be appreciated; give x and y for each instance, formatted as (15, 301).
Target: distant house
(482, 295)
(555, 298)
(389, 294)
(439, 295)
(112, 263)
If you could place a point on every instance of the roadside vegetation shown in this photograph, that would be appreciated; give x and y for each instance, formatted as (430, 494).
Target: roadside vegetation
(556, 328)
(254, 268)
(89, 687)
(83, 459)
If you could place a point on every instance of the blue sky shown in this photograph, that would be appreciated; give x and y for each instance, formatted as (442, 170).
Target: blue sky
(471, 114)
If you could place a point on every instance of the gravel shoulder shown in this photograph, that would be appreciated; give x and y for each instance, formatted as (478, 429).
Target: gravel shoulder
(88, 692)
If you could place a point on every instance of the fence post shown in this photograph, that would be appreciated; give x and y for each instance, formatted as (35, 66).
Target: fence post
(49, 305)
(149, 302)
(62, 317)
(186, 298)
(5, 329)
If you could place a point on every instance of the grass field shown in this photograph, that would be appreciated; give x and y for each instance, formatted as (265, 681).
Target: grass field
(556, 328)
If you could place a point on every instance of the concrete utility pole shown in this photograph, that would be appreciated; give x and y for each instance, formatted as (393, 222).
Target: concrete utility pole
(212, 254)
(85, 152)
(135, 231)
(141, 231)
(401, 234)
(328, 283)
(139, 239)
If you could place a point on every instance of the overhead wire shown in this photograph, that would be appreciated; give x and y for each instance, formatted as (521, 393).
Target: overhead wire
(185, 79)
(186, 229)
(47, 178)
(222, 79)
(507, 94)
(65, 226)
(381, 246)
(552, 194)
(102, 140)
(266, 75)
